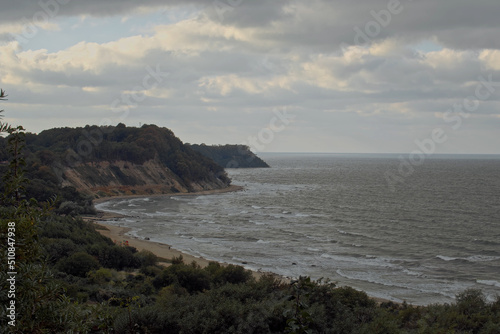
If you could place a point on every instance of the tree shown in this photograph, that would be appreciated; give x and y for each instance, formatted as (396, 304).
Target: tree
(38, 300)
(3, 126)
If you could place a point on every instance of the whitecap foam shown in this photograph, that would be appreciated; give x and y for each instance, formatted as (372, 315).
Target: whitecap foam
(412, 273)
(482, 258)
(472, 258)
(446, 258)
(489, 282)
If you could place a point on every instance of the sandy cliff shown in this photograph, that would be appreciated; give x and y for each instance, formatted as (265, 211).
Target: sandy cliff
(103, 179)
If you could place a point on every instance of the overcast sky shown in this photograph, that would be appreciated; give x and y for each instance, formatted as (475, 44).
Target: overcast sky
(280, 75)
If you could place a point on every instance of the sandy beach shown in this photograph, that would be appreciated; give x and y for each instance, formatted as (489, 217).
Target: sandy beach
(119, 233)
(164, 251)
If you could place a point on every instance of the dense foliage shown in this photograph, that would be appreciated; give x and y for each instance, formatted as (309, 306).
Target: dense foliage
(135, 145)
(231, 156)
(51, 151)
(97, 286)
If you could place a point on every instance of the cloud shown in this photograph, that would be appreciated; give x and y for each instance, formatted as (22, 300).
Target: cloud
(19, 9)
(229, 63)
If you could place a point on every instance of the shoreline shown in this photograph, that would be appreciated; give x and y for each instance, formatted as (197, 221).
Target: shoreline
(231, 188)
(162, 250)
(165, 251)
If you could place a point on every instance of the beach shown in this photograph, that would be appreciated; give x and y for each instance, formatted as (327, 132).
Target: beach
(165, 252)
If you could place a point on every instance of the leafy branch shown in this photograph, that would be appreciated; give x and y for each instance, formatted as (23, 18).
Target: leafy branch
(4, 127)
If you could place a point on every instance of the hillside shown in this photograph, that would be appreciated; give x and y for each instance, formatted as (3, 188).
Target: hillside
(231, 156)
(108, 161)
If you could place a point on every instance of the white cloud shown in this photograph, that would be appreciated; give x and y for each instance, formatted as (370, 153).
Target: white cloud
(231, 73)
(491, 59)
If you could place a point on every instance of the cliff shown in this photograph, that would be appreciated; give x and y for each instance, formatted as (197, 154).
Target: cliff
(231, 156)
(108, 161)
(104, 179)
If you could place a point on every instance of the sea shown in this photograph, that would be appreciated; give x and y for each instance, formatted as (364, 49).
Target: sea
(384, 224)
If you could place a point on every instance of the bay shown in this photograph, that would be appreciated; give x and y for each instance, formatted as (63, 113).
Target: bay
(423, 239)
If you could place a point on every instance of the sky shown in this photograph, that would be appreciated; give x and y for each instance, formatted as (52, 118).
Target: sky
(363, 76)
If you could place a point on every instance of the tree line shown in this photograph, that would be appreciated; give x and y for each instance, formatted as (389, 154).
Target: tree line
(231, 156)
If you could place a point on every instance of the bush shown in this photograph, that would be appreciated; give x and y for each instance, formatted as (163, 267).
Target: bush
(114, 256)
(192, 278)
(144, 320)
(145, 258)
(56, 249)
(100, 276)
(151, 271)
(78, 264)
(228, 274)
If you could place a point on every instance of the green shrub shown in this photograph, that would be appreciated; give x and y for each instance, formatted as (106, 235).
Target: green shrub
(152, 271)
(78, 264)
(114, 256)
(100, 276)
(56, 249)
(228, 274)
(192, 278)
(146, 258)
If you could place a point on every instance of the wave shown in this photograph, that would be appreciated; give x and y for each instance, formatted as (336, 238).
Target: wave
(472, 258)
(365, 260)
(430, 287)
(447, 258)
(489, 282)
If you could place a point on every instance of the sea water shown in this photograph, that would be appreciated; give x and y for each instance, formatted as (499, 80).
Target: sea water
(424, 238)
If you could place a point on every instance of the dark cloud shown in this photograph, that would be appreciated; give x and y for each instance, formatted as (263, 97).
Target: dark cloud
(324, 24)
(327, 24)
(19, 9)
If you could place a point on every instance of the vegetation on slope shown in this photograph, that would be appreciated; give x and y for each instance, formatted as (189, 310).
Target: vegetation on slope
(93, 144)
(231, 156)
(88, 284)
(154, 154)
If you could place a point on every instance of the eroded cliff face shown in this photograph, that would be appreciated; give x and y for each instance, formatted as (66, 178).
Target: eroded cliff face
(104, 179)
